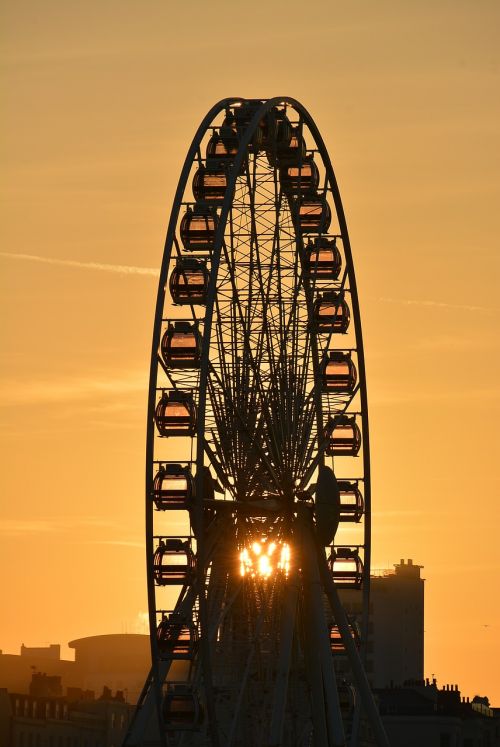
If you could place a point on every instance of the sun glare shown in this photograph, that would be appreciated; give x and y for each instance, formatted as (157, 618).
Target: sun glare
(263, 559)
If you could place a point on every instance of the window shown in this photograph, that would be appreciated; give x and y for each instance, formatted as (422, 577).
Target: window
(444, 740)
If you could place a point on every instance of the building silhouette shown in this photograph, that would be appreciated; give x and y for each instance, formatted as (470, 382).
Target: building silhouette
(44, 717)
(395, 644)
(397, 632)
(419, 714)
(117, 661)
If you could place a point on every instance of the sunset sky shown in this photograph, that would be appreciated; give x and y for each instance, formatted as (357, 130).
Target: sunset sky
(100, 102)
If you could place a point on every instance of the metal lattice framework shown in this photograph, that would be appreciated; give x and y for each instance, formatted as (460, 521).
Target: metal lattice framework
(258, 470)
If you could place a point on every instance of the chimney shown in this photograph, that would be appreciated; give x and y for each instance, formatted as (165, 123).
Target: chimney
(410, 561)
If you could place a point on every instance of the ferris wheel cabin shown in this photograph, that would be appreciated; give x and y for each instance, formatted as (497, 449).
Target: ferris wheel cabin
(338, 372)
(173, 562)
(322, 260)
(173, 487)
(181, 345)
(177, 637)
(331, 313)
(197, 228)
(181, 707)
(344, 436)
(175, 414)
(189, 282)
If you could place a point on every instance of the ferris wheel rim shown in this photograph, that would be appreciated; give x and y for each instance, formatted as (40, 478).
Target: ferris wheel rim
(265, 106)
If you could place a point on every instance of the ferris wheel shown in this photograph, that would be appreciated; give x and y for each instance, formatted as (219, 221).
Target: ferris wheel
(258, 469)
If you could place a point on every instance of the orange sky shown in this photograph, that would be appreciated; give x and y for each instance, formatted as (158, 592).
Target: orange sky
(102, 100)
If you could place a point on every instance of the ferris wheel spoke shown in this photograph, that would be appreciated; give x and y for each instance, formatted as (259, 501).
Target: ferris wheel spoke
(216, 464)
(254, 365)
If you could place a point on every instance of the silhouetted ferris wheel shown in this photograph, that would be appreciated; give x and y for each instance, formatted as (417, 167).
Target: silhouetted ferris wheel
(258, 471)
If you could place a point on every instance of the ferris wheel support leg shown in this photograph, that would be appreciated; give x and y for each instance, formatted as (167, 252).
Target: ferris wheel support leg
(288, 616)
(362, 684)
(319, 640)
(315, 680)
(356, 724)
(244, 680)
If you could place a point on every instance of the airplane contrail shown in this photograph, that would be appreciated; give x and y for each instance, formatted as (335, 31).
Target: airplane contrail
(438, 304)
(119, 269)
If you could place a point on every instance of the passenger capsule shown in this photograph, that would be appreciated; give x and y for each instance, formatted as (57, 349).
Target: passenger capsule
(229, 129)
(181, 345)
(222, 148)
(347, 567)
(338, 372)
(282, 135)
(175, 414)
(181, 708)
(197, 229)
(173, 563)
(351, 501)
(177, 637)
(337, 646)
(243, 115)
(344, 436)
(313, 214)
(322, 259)
(347, 699)
(173, 487)
(210, 183)
(291, 152)
(331, 313)
(269, 126)
(189, 282)
(300, 178)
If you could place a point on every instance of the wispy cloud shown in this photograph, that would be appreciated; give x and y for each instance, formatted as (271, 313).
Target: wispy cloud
(382, 397)
(52, 525)
(452, 343)
(400, 512)
(119, 543)
(63, 390)
(100, 266)
(434, 304)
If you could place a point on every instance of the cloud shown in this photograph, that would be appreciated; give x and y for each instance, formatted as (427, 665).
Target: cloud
(117, 269)
(53, 525)
(68, 389)
(434, 304)
(120, 543)
(380, 397)
(400, 512)
(452, 343)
